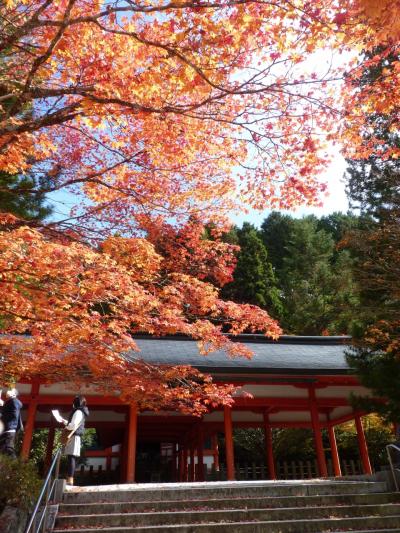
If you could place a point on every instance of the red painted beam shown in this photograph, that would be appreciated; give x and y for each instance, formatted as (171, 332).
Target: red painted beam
(294, 381)
(101, 453)
(283, 402)
(60, 399)
(345, 418)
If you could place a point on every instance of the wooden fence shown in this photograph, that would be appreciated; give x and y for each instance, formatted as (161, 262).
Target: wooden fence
(243, 471)
(284, 470)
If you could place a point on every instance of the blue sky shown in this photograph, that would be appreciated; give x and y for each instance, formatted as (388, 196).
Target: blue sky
(336, 199)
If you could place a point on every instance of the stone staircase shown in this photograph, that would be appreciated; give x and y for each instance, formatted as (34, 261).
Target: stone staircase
(252, 507)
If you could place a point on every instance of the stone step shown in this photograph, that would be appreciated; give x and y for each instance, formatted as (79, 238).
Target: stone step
(214, 490)
(236, 515)
(371, 531)
(367, 524)
(229, 503)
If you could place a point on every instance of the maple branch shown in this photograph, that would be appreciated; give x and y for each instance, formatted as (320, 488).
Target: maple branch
(26, 27)
(65, 114)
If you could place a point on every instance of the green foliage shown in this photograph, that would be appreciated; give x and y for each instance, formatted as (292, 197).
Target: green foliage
(380, 372)
(249, 445)
(315, 279)
(295, 269)
(254, 280)
(338, 225)
(23, 196)
(293, 444)
(276, 232)
(377, 433)
(19, 483)
(307, 278)
(297, 444)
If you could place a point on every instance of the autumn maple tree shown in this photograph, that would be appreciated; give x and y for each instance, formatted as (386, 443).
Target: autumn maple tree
(160, 117)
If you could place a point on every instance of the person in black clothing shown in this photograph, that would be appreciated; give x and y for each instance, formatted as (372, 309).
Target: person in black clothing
(76, 425)
(11, 419)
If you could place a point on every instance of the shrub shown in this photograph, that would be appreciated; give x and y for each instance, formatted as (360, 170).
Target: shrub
(19, 483)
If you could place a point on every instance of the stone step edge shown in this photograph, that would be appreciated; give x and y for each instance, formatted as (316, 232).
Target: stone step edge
(215, 485)
(326, 525)
(374, 530)
(295, 490)
(201, 512)
(313, 497)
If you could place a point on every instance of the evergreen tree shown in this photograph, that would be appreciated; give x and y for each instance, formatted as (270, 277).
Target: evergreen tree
(374, 187)
(339, 225)
(307, 279)
(373, 184)
(23, 196)
(276, 232)
(314, 276)
(254, 281)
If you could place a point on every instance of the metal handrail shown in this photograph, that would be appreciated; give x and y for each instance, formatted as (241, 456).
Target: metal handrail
(392, 468)
(47, 492)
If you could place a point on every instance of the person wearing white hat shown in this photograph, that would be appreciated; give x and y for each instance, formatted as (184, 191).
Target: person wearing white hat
(12, 422)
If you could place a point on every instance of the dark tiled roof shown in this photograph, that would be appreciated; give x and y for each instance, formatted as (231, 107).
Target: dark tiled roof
(289, 355)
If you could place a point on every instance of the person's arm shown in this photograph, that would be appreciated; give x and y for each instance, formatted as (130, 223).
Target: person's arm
(75, 421)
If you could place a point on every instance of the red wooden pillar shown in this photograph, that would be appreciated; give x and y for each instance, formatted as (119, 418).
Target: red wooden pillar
(49, 448)
(362, 444)
(230, 461)
(337, 471)
(185, 463)
(200, 454)
(30, 421)
(319, 447)
(214, 444)
(131, 444)
(268, 447)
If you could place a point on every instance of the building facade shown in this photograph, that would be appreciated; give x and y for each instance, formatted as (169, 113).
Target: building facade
(295, 382)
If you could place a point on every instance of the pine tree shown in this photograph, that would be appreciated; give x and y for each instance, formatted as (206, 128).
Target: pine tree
(23, 196)
(254, 280)
(276, 232)
(307, 279)
(314, 276)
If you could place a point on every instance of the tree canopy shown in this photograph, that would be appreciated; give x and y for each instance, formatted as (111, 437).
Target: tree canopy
(254, 280)
(374, 186)
(161, 117)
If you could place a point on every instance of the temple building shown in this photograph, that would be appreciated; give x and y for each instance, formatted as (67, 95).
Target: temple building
(295, 382)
